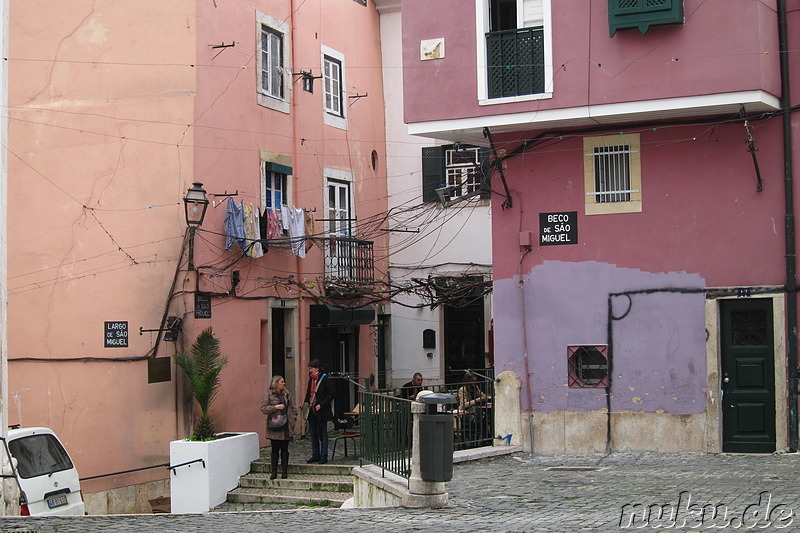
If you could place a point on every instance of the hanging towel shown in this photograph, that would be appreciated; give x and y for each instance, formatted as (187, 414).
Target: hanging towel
(296, 221)
(309, 228)
(285, 210)
(253, 246)
(274, 230)
(234, 225)
(258, 247)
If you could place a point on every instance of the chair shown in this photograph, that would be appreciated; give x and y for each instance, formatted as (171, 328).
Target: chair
(352, 435)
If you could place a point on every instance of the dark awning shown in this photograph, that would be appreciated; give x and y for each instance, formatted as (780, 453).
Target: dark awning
(329, 315)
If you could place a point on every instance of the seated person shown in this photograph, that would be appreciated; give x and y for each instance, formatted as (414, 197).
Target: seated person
(412, 388)
(470, 395)
(470, 399)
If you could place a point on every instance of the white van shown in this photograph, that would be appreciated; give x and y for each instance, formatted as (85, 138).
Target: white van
(46, 474)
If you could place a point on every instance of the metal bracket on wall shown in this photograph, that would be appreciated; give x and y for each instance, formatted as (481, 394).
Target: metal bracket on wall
(751, 146)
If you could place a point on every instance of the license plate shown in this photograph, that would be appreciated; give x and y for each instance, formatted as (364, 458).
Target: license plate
(57, 501)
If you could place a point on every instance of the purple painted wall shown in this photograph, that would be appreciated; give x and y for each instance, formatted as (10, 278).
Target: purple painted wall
(659, 357)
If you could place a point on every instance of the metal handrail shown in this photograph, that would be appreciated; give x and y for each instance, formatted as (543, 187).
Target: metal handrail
(174, 467)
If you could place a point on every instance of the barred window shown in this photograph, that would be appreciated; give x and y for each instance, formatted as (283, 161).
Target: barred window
(587, 366)
(612, 174)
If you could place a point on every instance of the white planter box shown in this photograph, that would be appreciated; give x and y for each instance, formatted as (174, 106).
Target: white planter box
(199, 486)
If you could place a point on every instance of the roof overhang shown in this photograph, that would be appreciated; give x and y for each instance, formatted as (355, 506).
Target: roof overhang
(470, 130)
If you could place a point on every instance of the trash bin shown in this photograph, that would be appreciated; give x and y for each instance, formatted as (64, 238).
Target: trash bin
(436, 439)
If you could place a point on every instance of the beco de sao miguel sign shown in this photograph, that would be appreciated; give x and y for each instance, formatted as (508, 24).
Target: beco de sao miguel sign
(558, 228)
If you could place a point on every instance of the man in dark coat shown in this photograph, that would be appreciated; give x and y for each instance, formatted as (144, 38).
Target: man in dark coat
(412, 388)
(319, 396)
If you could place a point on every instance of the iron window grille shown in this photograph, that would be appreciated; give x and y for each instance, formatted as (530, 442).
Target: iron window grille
(612, 174)
(587, 366)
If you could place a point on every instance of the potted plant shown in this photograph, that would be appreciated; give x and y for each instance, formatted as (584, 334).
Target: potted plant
(203, 365)
(207, 465)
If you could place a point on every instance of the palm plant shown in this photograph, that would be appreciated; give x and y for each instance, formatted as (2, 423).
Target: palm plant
(203, 365)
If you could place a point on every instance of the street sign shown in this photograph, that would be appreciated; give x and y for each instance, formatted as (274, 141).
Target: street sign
(116, 334)
(558, 228)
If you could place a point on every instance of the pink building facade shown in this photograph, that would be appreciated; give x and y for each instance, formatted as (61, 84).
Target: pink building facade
(114, 112)
(641, 192)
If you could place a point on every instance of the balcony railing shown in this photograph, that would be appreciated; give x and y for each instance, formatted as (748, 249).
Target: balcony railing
(349, 263)
(515, 62)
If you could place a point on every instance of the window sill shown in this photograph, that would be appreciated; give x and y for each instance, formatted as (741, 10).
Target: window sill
(273, 103)
(335, 121)
(513, 99)
(614, 208)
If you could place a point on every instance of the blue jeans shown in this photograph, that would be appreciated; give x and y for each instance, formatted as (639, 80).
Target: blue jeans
(318, 431)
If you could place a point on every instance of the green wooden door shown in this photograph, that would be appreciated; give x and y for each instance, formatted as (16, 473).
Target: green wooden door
(748, 376)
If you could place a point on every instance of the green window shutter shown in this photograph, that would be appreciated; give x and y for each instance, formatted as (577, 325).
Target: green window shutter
(486, 173)
(432, 172)
(515, 62)
(625, 14)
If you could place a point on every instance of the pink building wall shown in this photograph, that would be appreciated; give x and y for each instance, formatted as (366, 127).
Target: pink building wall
(694, 179)
(115, 110)
(589, 68)
(640, 285)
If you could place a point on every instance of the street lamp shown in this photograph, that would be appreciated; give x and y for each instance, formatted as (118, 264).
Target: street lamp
(196, 204)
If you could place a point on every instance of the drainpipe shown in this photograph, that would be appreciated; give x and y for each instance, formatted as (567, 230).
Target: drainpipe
(791, 272)
(9, 493)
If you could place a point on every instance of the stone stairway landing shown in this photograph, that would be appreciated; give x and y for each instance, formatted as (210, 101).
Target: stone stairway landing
(313, 485)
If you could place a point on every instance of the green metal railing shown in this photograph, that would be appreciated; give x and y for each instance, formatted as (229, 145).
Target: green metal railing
(386, 427)
(473, 419)
(386, 422)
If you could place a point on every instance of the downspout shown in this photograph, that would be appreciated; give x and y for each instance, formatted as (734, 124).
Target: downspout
(528, 383)
(791, 272)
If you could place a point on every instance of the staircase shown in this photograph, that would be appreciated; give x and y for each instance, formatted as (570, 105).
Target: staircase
(307, 485)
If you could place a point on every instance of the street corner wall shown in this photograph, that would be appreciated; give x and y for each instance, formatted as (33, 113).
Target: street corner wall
(655, 342)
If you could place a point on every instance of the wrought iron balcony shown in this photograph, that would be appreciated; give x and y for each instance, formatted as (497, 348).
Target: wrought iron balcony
(515, 62)
(349, 265)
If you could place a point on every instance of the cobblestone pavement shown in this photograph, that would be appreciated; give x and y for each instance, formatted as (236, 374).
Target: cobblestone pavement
(524, 493)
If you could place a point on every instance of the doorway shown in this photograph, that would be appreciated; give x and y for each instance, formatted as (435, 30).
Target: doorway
(337, 349)
(747, 375)
(464, 345)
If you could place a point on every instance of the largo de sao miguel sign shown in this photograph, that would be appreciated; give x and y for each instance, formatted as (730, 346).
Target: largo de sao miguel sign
(558, 228)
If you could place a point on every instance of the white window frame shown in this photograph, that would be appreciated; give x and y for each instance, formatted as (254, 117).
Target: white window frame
(482, 25)
(340, 179)
(281, 29)
(272, 157)
(463, 177)
(634, 175)
(331, 116)
(269, 198)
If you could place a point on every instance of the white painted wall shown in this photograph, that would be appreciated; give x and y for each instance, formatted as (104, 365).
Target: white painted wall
(449, 239)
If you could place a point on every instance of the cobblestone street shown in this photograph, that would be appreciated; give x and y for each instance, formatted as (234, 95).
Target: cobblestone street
(534, 493)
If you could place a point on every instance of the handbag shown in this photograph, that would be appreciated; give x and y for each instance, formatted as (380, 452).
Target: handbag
(277, 421)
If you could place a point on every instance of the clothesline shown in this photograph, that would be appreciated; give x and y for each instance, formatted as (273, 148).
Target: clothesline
(245, 223)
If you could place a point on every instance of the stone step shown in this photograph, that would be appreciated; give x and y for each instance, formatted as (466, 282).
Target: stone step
(298, 497)
(263, 466)
(300, 481)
